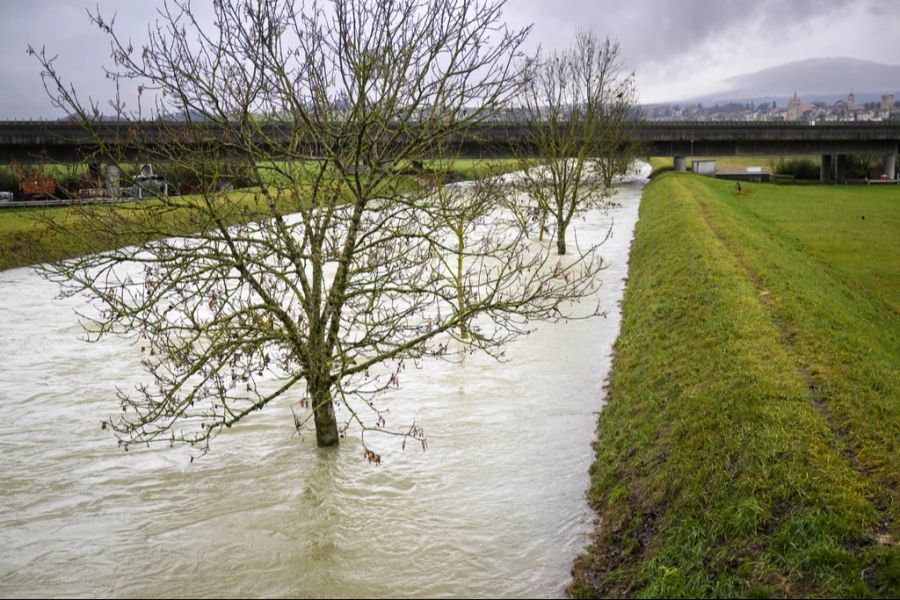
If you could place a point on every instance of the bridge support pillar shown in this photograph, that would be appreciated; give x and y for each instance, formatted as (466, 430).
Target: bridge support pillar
(841, 169)
(679, 164)
(825, 170)
(890, 166)
(111, 180)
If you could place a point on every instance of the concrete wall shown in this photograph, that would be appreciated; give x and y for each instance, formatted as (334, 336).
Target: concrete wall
(704, 167)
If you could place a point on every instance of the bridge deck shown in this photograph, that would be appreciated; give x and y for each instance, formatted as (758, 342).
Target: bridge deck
(46, 141)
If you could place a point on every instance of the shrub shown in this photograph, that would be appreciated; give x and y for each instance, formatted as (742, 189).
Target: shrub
(185, 180)
(861, 166)
(67, 186)
(10, 182)
(800, 167)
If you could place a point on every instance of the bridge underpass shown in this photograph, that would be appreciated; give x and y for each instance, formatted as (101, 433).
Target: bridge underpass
(833, 142)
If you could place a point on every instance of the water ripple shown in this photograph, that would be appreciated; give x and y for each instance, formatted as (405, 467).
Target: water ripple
(494, 507)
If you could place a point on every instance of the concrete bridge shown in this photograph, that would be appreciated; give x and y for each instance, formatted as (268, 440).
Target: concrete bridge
(50, 141)
(833, 141)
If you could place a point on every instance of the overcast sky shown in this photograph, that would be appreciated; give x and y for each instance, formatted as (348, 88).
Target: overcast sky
(678, 49)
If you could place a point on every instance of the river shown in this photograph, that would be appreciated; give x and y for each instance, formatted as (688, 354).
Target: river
(494, 507)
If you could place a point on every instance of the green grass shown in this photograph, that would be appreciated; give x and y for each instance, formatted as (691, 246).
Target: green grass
(853, 230)
(658, 163)
(751, 441)
(36, 235)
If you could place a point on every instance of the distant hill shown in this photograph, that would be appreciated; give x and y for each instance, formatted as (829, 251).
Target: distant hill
(826, 79)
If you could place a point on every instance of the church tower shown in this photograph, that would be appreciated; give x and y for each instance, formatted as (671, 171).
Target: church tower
(793, 111)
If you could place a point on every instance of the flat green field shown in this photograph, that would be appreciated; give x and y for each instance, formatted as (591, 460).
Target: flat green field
(35, 235)
(751, 441)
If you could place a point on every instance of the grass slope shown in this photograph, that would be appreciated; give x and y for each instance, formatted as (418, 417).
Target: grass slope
(751, 441)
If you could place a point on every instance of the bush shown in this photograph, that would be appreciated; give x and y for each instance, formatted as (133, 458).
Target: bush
(800, 167)
(861, 166)
(10, 182)
(181, 180)
(185, 180)
(67, 186)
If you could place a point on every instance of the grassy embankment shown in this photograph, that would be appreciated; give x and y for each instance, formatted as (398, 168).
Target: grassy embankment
(751, 441)
(35, 235)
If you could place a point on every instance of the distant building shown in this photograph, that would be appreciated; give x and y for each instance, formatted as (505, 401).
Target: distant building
(794, 110)
(849, 109)
(887, 105)
(841, 109)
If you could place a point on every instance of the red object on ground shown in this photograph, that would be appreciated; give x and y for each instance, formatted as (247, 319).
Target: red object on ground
(33, 185)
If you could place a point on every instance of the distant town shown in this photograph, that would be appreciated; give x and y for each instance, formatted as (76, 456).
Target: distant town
(796, 110)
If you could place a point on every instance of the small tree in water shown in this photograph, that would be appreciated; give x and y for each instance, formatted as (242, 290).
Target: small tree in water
(580, 108)
(329, 274)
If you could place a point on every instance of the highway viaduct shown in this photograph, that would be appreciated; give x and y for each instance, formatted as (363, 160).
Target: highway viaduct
(54, 141)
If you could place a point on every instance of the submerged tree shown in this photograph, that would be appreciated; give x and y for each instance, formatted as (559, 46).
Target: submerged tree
(319, 281)
(580, 107)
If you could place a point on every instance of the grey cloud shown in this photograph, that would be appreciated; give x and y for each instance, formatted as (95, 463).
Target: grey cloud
(654, 31)
(661, 39)
(667, 42)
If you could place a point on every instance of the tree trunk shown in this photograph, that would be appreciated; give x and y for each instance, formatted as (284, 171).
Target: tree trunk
(323, 414)
(560, 241)
(543, 225)
(460, 293)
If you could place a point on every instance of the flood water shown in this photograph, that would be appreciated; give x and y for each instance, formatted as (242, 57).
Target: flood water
(494, 507)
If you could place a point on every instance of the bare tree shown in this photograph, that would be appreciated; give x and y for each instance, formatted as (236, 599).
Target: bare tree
(580, 111)
(331, 272)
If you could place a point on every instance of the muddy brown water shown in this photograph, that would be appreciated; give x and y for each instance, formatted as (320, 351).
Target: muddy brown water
(494, 507)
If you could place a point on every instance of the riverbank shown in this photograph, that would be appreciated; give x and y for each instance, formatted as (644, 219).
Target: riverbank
(750, 445)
